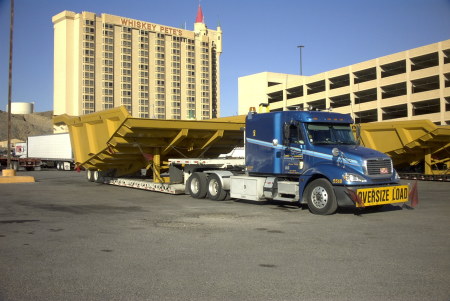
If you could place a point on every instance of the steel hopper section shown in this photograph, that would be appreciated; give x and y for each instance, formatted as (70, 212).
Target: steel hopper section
(113, 140)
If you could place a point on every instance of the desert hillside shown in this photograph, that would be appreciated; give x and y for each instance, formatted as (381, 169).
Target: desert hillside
(26, 125)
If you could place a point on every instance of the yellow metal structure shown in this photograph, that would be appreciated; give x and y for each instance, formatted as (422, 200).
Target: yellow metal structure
(410, 142)
(113, 140)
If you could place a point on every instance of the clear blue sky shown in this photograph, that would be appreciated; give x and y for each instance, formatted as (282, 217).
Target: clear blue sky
(258, 36)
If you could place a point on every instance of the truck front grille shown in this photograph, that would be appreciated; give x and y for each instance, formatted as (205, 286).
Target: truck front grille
(379, 166)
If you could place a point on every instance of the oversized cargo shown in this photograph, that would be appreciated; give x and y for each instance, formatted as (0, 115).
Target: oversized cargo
(113, 139)
(413, 145)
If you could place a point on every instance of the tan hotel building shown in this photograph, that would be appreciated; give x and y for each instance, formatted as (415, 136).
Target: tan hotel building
(409, 85)
(155, 71)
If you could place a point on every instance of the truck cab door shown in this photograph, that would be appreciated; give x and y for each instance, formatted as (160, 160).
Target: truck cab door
(292, 161)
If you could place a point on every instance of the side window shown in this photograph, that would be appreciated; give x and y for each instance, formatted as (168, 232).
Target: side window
(295, 134)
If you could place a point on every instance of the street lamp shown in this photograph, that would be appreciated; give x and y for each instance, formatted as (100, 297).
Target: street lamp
(300, 46)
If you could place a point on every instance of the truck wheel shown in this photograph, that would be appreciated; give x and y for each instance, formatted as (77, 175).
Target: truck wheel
(320, 197)
(99, 176)
(215, 190)
(197, 185)
(90, 175)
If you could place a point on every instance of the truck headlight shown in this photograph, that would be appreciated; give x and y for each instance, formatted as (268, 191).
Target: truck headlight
(351, 177)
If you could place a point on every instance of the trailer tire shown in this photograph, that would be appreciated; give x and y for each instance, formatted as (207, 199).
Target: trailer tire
(99, 176)
(58, 166)
(90, 175)
(320, 197)
(197, 185)
(215, 189)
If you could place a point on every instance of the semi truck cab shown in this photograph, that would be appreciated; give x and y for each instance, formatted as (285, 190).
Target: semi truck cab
(312, 157)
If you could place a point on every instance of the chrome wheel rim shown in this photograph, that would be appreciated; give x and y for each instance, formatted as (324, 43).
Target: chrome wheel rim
(213, 187)
(319, 197)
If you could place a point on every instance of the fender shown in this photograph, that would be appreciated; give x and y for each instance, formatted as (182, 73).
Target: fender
(325, 170)
(224, 176)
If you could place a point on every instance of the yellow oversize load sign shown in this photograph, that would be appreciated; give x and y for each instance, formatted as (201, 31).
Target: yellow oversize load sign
(383, 195)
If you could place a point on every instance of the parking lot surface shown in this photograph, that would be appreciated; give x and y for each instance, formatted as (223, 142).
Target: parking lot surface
(63, 238)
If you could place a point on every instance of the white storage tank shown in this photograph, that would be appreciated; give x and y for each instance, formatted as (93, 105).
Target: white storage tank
(21, 108)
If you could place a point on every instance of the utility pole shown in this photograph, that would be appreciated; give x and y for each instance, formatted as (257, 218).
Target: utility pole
(300, 46)
(11, 25)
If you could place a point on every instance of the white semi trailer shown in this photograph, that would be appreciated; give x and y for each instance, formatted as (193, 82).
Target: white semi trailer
(53, 150)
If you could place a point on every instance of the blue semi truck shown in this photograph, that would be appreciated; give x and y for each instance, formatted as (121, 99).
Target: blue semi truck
(305, 157)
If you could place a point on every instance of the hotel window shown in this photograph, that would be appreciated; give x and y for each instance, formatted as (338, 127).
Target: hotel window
(126, 65)
(126, 44)
(126, 50)
(126, 86)
(126, 57)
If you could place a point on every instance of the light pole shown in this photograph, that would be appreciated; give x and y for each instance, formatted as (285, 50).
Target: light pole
(11, 25)
(300, 46)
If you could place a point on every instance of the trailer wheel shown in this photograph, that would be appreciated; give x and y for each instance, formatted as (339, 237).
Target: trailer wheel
(58, 165)
(197, 185)
(90, 175)
(99, 176)
(215, 189)
(320, 197)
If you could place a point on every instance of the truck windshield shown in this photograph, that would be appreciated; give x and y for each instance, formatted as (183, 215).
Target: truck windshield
(325, 133)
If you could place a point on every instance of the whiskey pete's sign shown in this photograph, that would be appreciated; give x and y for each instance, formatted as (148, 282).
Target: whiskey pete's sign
(151, 27)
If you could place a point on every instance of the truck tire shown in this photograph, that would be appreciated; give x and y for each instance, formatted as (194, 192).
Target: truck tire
(320, 197)
(215, 189)
(99, 176)
(90, 175)
(197, 185)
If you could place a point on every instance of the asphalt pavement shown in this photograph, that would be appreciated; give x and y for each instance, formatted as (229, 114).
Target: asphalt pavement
(63, 238)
